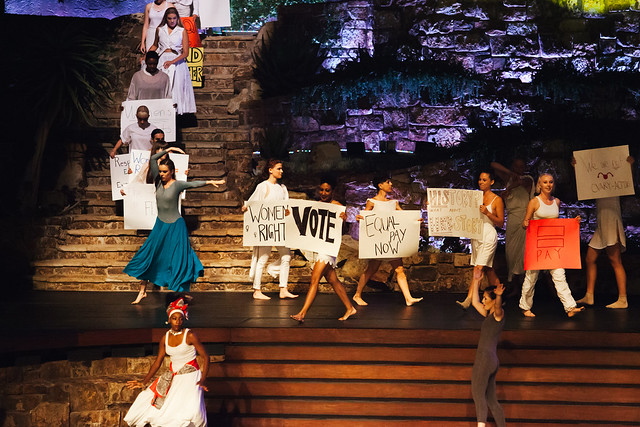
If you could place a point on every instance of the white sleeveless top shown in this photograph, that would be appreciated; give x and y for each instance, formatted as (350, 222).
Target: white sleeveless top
(180, 354)
(546, 211)
(171, 41)
(383, 206)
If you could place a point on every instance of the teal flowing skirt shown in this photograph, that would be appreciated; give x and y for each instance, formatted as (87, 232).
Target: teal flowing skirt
(166, 258)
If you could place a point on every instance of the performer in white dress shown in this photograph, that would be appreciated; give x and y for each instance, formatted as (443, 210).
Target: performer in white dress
(153, 14)
(176, 397)
(268, 190)
(483, 250)
(172, 46)
(609, 236)
(380, 203)
(542, 207)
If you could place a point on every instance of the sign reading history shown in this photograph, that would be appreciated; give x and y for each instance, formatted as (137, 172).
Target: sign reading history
(454, 213)
(119, 166)
(195, 61)
(314, 226)
(552, 243)
(603, 172)
(162, 114)
(389, 234)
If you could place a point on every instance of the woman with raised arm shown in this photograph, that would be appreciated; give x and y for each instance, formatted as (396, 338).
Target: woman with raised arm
(380, 203)
(483, 250)
(153, 14)
(270, 190)
(324, 264)
(166, 257)
(172, 44)
(175, 398)
(485, 367)
(542, 207)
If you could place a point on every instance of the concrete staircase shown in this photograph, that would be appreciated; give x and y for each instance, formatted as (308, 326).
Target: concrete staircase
(87, 248)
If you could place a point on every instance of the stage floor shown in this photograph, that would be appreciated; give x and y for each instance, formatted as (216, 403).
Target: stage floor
(88, 311)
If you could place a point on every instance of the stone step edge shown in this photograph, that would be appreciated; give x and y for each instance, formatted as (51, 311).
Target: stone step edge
(234, 231)
(134, 248)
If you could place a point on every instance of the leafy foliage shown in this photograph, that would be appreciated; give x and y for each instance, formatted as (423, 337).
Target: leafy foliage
(250, 15)
(275, 142)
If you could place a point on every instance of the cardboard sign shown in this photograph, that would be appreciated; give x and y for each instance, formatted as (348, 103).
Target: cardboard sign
(138, 162)
(195, 61)
(140, 209)
(215, 13)
(181, 162)
(454, 213)
(314, 226)
(552, 243)
(265, 223)
(603, 172)
(119, 166)
(389, 234)
(161, 114)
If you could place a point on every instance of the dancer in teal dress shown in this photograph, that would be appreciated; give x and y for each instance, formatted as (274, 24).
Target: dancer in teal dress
(166, 257)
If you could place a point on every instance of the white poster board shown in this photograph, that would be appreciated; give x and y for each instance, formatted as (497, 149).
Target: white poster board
(138, 162)
(215, 13)
(265, 223)
(181, 162)
(389, 234)
(314, 226)
(119, 166)
(161, 114)
(603, 172)
(454, 213)
(140, 210)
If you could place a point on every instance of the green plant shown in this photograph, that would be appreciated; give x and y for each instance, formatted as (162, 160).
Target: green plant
(274, 142)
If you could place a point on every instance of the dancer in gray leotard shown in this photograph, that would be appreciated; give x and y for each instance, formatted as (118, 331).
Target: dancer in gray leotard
(485, 367)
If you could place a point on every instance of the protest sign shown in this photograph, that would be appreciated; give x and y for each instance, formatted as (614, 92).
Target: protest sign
(215, 13)
(162, 115)
(603, 172)
(265, 223)
(138, 162)
(119, 175)
(140, 210)
(389, 234)
(454, 213)
(552, 243)
(314, 226)
(195, 60)
(181, 162)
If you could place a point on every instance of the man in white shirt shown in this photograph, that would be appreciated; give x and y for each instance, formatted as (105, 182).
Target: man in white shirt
(137, 135)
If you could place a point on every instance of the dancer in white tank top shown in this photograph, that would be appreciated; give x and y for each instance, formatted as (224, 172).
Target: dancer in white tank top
(542, 207)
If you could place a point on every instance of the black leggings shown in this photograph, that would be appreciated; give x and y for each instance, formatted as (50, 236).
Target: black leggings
(483, 389)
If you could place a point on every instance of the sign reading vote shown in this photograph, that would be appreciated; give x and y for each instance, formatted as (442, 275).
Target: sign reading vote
(119, 175)
(314, 226)
(552, 243)
(389, 234)
(265, 223)
(603, 172)
(140, 209)
(161, 114)
(454, 213)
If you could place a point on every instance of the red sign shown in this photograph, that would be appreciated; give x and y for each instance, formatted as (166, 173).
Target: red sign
(552, 243)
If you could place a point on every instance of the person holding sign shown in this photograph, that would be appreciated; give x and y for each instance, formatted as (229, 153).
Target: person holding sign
(380, 203)
(189, 11)
(542, 207)
(166, 257)
(176, 397)
(268, 190)
(137, 135)
(609, 236)
(485, 367)
(324, 264)
(172, 45)
(483, 251)
(150, 82)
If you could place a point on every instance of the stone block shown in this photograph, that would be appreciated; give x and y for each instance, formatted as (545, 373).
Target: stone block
(384, 19)
(437, 116)
(514, 14)
(22, 402)
(444, 257)
(445, 136)
(95, 418)
(418, 132)
(139, 365)
(87, 395)
(448, 7)
(461, 260)
(521, 29)
(109, 366)
(395, 119)
(441, 41)
(423, 273)
(472, 42)
(446, 269)
(17, 419)
(48, 414)
(117, 392)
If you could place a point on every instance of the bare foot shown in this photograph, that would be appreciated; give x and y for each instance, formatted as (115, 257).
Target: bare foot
(464, 304)
(139, 297)
(574, 311)
(298, 317)
(257, 294)
(587, 299)
(284, 293)
(528, 313)
(349, 312)
(621, 303)
(412, 301)
(359, 300)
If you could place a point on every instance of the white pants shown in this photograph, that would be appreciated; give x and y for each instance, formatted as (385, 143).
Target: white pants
(279, 267)
(559, 280)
